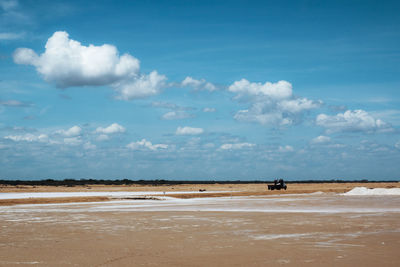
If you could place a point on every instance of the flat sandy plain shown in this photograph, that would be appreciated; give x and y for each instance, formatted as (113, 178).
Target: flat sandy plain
(227, 225)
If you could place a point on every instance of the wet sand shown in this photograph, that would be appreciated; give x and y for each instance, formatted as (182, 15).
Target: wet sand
(317, 229)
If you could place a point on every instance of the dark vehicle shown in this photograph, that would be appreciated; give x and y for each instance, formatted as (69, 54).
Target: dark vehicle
(278, 185)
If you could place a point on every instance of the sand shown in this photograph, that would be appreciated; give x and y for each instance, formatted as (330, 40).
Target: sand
(317, 229)
(211, 190)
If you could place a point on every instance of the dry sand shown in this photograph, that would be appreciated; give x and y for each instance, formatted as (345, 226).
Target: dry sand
(255, 230)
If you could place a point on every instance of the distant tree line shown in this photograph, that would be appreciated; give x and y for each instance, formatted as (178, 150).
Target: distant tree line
(85, 182)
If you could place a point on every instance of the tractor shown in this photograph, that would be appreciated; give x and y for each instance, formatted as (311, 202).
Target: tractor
(278, 185)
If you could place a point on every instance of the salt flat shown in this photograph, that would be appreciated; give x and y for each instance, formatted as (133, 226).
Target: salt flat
(24, 195)
(301, 229)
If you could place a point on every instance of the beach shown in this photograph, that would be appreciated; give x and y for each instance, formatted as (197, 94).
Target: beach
(306, 225)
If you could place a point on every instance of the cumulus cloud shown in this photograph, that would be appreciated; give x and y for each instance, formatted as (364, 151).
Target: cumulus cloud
(176, 112)
(70, 137)
(271, 103)
(297, 105)
(28, 138)
(392, 115)
(176, 115)
(68, 63)
(144, 144)
(73, 131)
(209, 110)
(236, 146)
(89, 146)
(111, 129)
(72, 141)
(352, 121)
(321, 139)
(102, 137)
(263, 113)
(279, 90)
(25, 56)
(144, 86)
(189, 131)
(198, 84)
(286, 148)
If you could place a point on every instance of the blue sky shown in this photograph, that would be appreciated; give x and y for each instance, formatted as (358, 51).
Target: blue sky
(199, 89)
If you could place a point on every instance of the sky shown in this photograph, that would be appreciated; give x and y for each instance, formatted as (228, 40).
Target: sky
(200, 90)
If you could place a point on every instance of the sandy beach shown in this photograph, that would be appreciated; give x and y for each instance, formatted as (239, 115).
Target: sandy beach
(307, 225)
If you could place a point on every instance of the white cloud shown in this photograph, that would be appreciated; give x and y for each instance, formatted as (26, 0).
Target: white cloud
(14, 103)
(176, 112)
(144, 86)
(189, 131)
(102, 137)
(111, 129)
(279, 90)
(176, 115)
(198, 84)
(236, 146)
(89, 146)
(352, 121)
(209, 110)
(321, 139)
(271, 103)
(73, 131)
(298, 105)
(28, 138)
(72, 141)
(25, 56)
(262, 113)
(10, 36)
(397, 145)
(390, 115)
(68, 63)
(146, 144)
(286, 148)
